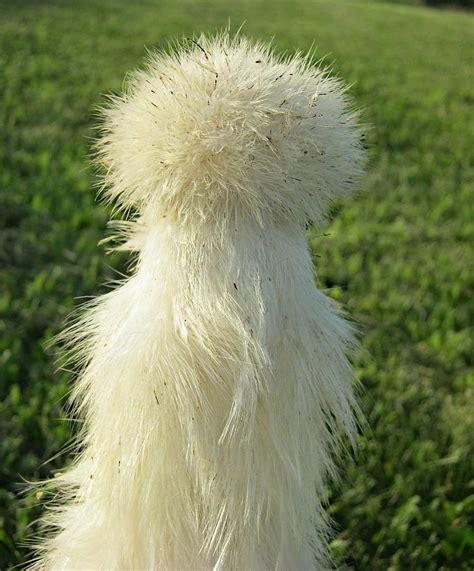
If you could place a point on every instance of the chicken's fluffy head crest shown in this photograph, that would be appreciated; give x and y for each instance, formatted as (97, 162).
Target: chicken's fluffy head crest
(222, 126)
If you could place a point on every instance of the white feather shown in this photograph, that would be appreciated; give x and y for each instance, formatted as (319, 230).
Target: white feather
(215, 382)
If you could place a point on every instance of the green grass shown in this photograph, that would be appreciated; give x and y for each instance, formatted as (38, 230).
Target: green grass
(399, 256)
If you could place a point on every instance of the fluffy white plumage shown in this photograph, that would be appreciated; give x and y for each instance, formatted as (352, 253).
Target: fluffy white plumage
(214, 382)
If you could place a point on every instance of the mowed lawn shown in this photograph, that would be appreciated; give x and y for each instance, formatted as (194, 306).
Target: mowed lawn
(400, 256)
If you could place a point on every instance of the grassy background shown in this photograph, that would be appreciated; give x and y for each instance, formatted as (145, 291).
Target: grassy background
(398, 256)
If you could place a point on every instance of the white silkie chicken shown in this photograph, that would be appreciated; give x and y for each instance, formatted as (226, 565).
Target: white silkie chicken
(214, 383)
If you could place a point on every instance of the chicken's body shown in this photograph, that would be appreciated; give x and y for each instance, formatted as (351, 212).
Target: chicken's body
(215, 383)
